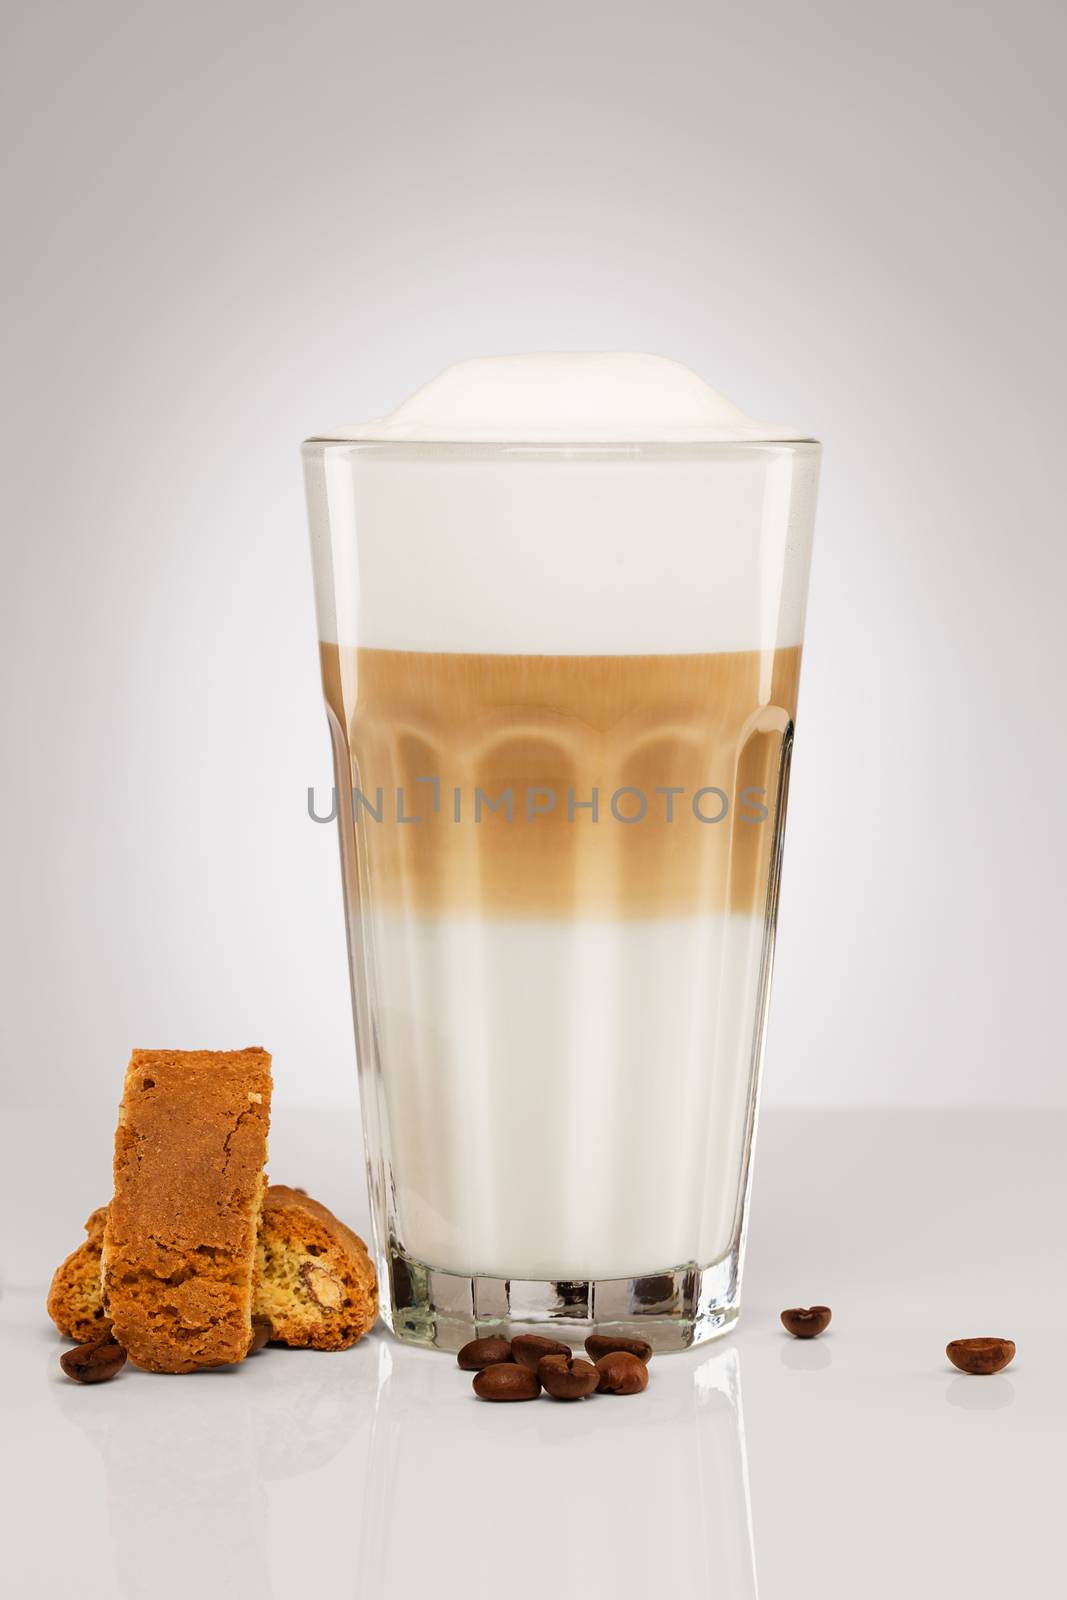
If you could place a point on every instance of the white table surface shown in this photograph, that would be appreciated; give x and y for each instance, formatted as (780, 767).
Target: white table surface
(859, 1465)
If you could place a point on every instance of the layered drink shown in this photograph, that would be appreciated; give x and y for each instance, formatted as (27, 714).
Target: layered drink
(561, 604)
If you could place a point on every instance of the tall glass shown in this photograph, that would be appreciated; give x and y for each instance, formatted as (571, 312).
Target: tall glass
(561, 684)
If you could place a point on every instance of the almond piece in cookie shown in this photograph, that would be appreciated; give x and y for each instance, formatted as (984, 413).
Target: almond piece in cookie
(75, 1303)
(180, 1238)
(314, 1280)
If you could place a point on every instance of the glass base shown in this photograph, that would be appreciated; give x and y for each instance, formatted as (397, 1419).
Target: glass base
(674, 1309)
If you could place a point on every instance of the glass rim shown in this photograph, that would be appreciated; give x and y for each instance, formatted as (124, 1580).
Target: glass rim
(559, 448)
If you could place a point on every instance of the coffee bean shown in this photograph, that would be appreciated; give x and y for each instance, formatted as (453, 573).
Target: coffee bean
(567, 1377)
(602, 1344)
(619, 1372)
(262, 1333)
(94, 1362)
(506, 1381)
(806, 1323)
(481, 1353)
(981, 1355)
(528, 1348)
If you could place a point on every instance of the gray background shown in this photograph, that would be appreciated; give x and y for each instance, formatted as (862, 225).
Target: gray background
(230, 224)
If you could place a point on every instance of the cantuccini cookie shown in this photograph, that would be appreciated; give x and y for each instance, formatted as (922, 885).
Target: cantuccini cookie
(180, 1239)
(291, 1230)
(315, 1282)
(75, 1302)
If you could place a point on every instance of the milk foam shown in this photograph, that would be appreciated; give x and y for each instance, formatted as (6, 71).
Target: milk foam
(508, 507)
(568, 398)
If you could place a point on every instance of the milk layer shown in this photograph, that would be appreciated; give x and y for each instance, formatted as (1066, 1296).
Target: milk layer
(566, 1101)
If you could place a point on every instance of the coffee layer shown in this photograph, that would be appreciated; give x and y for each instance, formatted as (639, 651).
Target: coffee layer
(477, 777)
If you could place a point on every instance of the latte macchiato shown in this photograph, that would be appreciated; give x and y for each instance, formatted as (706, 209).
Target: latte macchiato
(534, 948)
(560, 647)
